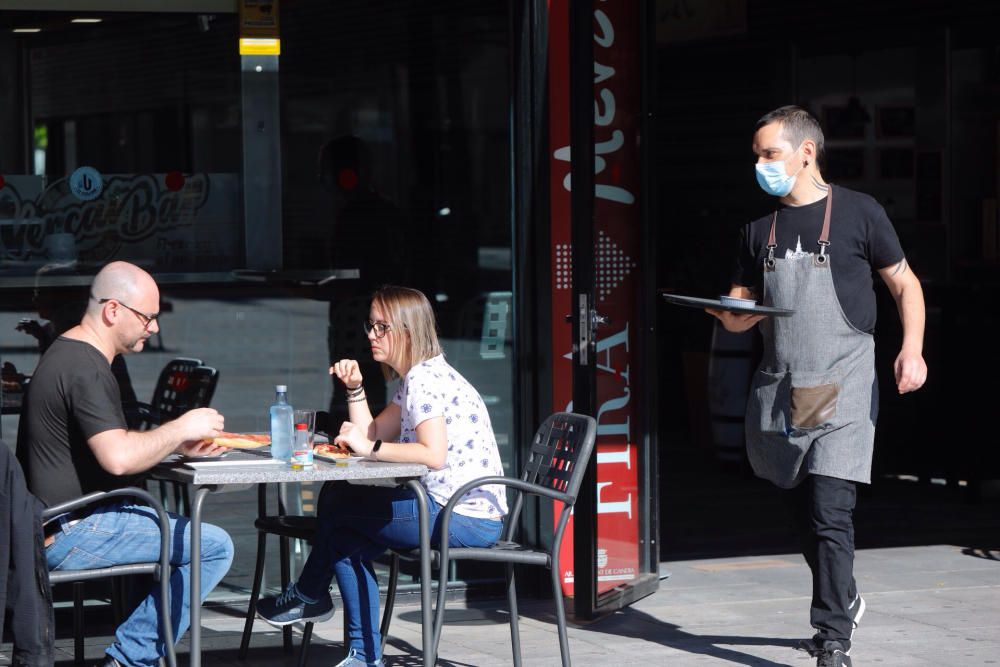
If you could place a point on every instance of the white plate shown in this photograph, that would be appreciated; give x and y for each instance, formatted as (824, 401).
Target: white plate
(340, 459)
(219, 462)
(233, 457)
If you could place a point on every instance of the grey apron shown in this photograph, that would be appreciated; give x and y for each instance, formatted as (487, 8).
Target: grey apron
(811, 408)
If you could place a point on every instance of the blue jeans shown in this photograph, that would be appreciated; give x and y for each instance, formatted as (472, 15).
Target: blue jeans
(358, 524)
(121, 533)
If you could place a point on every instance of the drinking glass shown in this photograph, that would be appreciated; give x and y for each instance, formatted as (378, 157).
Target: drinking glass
(307, 417)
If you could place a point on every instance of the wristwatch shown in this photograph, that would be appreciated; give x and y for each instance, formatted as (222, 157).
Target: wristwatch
(375, 447)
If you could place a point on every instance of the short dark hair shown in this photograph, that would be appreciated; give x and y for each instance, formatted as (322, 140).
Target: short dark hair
(797, 125)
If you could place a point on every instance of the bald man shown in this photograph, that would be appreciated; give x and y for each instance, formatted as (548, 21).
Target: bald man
(73, 440)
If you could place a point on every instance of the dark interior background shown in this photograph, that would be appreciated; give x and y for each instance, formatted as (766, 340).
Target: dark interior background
(909, 97)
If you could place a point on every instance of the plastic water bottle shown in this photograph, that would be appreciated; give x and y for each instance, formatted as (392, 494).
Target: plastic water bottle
(302, 453)
(281, 425)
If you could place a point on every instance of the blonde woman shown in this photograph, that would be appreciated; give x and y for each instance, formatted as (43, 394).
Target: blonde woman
(435, 418)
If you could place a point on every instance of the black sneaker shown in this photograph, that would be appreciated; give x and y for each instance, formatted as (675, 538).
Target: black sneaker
(833, 658)
(289, 608)
(810, 646)
(856, 610)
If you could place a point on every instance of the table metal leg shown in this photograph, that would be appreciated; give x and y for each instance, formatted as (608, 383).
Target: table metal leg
(427, 617)
(201, 492)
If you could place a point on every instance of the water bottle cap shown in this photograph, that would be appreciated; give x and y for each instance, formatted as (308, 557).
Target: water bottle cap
(300, 427)
(281, 388)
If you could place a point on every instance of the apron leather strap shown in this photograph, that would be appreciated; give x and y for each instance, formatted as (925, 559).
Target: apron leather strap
(824, 235)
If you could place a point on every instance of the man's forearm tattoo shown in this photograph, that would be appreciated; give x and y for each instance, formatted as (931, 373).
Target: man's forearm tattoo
(900, 268)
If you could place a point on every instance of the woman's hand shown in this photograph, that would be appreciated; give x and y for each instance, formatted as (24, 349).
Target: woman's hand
(352, 437)
(348, 372)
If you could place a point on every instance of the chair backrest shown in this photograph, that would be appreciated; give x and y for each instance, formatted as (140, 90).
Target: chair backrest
(201, 389)
(184, 384)
(560, 451)
(557, 460)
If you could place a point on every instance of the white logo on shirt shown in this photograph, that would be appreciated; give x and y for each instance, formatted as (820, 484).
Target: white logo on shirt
(798, 253)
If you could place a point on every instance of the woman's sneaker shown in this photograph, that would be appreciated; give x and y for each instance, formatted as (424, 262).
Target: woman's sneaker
(289, 608)
(354, 660)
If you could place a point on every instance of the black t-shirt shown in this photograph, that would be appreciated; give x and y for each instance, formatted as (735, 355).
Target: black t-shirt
(861, 239)
(72, 396)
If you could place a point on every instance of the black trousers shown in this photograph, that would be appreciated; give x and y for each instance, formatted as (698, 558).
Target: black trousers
(823, 508)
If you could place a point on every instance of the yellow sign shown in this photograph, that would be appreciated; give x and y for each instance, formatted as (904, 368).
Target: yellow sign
(258, 46)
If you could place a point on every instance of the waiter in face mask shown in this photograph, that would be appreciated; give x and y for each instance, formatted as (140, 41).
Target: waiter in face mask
(810, 423)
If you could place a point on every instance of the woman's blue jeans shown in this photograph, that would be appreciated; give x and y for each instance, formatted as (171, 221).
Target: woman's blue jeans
(356, 525)
(123, 532)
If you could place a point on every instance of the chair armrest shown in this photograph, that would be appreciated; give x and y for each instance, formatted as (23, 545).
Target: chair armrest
(164, 521)
(513, 482)
(90, 498)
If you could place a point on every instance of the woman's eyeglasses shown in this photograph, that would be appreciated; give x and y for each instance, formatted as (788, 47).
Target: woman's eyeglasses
(380, 328)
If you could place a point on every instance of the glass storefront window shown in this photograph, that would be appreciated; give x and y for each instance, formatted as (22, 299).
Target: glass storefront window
(121, 140)
(396, 162)
(126, 139)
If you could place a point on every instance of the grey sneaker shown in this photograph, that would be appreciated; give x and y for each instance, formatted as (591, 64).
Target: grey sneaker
(353, 660)
(833, 658)
(289, 608)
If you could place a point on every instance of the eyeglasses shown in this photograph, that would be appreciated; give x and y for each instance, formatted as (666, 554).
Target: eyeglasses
(143, 317)
(380, 328)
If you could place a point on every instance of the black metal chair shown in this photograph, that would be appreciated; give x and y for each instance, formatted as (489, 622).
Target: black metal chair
(184, 384)
(559, 454)
(144, 416)
(160, 569)
(558, 458)
(173, 395)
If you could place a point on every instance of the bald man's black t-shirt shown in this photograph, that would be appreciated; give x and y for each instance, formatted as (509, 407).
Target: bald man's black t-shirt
(862, 239)
(72, 396)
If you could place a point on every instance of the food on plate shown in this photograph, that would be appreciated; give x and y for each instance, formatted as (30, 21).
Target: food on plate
(242, 440)
(333, 451)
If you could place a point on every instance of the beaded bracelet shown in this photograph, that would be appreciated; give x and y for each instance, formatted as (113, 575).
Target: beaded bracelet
(357, 400)
(354, 392)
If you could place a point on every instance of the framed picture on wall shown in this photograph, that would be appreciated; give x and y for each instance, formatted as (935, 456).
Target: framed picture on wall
(844, 164)
(845, 122)
(896, 163)
(895, 122)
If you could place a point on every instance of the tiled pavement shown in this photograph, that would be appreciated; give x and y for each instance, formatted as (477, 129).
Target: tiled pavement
(927, 605)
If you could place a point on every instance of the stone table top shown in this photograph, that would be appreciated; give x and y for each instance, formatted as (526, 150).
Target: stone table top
(225, 472)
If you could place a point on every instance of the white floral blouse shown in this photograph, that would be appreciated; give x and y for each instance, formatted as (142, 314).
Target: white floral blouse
(434, 389)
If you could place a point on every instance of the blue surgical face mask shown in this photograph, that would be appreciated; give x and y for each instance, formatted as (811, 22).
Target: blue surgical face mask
(773, 178)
